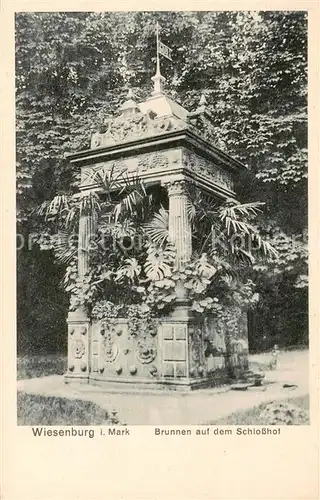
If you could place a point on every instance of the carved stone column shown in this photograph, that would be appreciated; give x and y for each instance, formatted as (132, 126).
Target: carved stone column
(179, 224)
(86, 232)
(79, 327)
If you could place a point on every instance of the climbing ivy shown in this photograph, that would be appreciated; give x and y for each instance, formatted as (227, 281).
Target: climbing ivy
(74, 69)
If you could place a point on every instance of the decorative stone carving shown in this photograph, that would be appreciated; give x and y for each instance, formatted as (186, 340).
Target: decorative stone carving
(90, 175)
(199, 165)
(146, 350)
(201, 370)
(96, 139)
(181, 370)
(118, 369)
(109, 347)
(153, 370)
(176, 188)
(168, 369)
(196, 348)
(202, 122)
(174, 351)
(135, 126)
(78, 348)
(151, 161)
(141, 164)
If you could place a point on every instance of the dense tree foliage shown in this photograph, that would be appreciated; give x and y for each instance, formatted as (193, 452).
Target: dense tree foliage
(74, 69)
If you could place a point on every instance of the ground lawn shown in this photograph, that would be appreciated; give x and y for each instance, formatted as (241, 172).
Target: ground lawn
(33, 366)
(253, 416)
(33, 409)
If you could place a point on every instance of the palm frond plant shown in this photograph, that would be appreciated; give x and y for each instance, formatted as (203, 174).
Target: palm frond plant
(147, 274)
(56, 210)
(228, 231)
(134, 200)
(157, 229)
(116, 205)
(65, 245)
(201, 210)
(107, 180)
(89, 204)
(222, 240)
(126, 228)
(236, 218)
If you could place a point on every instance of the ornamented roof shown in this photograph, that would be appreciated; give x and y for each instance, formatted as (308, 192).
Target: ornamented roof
(155, 116)
(157, 120)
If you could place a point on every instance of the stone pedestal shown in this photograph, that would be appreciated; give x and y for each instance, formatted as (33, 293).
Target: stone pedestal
(79, 330)
(183, 362)
(171, 357)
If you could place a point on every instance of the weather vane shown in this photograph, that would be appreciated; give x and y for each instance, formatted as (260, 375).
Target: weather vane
(165, 51)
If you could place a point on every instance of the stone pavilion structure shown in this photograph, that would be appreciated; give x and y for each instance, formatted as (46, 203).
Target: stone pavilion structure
(168, 147)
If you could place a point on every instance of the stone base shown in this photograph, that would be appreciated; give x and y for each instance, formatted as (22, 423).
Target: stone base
(139, 384)
(172, 354)
(69, 379)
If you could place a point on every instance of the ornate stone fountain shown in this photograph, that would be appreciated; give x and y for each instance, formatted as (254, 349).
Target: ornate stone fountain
(168, 147)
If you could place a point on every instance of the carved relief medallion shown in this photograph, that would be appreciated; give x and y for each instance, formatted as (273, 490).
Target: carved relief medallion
(146, 350)
(109, 348)
(78, 348)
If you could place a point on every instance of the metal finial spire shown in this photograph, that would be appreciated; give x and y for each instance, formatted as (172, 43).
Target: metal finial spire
(158, 79)
(202, 106)
(130, 105)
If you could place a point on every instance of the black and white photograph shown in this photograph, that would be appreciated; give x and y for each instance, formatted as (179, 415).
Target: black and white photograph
(162, 220)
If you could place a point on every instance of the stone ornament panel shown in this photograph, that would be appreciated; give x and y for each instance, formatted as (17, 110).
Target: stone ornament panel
(203, 125)
(160, 163)
(147, 162)
(201, 166)
(151, 161)
(78, 348)
(174, 349)
(196, 352)
(137, 126)
(120, 354)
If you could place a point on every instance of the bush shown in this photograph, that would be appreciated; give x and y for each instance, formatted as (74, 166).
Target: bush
(284, 413)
